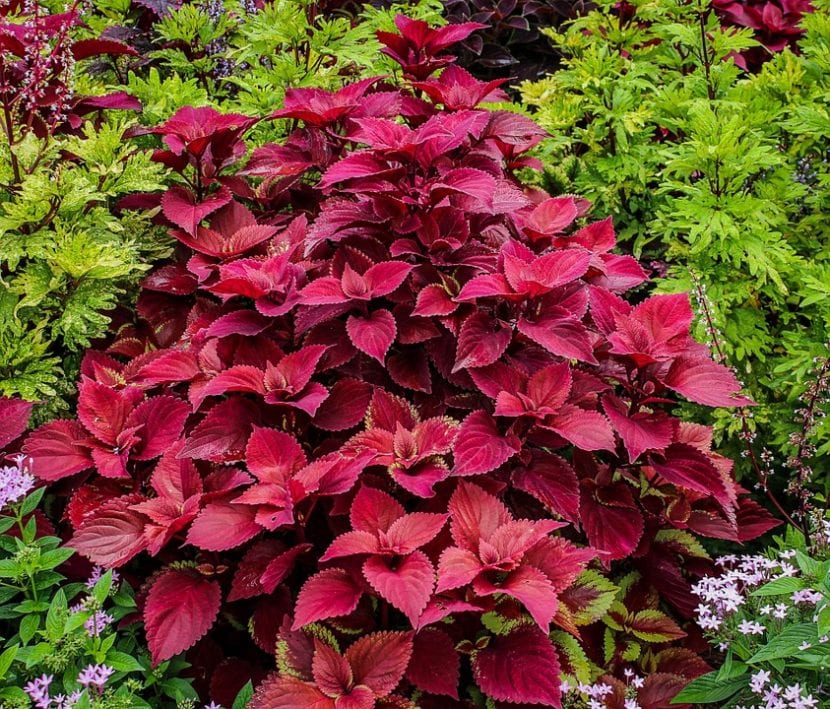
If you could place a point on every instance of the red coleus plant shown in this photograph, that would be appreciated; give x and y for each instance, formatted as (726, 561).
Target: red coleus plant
(386, 389)
(776, 24)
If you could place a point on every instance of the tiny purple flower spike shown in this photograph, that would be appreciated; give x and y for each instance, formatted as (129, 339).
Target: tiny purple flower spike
(15, 481)
(95, 676)
(38, 691)
(98, 623)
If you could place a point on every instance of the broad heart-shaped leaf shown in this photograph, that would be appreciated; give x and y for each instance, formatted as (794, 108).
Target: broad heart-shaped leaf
(113, 534)
(330, 593)
(55, 451)
(705, 382)
(181, 206)
(639, 432)
(475, 515)
(407, 584)
(273, 456)
(332, 673)
(103, 410)
(345, 406)
(374, 334)
(435, 666)
(379, 660)
(519, 667)
(480, 447)
(552, 481)
(481, 341)
(14, 413)
(585, 428)
(532, 588)
(181, 607)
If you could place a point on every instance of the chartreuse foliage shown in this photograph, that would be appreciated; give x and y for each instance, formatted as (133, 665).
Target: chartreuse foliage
(709, 173)
(242, 56)
(65, 258)
(391, 415)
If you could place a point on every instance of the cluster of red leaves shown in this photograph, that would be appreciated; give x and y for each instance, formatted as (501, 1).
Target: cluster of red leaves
(388, 390)
(776, 24)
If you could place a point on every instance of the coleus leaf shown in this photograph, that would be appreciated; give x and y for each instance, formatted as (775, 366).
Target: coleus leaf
(406, 584)
(373, 334)
(480, 447)
(185, 210)
(435, 667)
(222, 525)
(379, 660)
(56, 450)
(521, 666)
(329, 594)
(481, 341)
(640, 431)
(14, 413)
(181, 607)
(113, 534)
(705, 382)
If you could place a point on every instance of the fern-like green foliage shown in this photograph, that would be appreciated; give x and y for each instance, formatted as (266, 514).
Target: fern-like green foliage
(66, 258)
(217, 53)
(717, 177)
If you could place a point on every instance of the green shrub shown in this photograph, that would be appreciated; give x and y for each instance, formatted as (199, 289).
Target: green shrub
(717, 177)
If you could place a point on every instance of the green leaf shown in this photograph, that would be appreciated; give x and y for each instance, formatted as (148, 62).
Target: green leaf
(56, 616)
(55, 557)
(102, 588)
(123, 662)
(784, 585)
(29, 625)
(786, 643)
(823, 625)
(244, 696)
(32, 501)
(6, 659)
(708, 689)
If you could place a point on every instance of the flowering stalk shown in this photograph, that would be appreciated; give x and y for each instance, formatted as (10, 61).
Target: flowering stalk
(761, 467)
(813, 397)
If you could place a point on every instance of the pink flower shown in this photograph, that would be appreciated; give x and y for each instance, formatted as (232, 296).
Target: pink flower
(759, 681)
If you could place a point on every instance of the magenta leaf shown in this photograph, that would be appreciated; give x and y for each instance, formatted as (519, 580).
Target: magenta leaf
(379, 660)
(374, 334)
(480, 447)
(329, 594)
(182, 207)
(482, 341)
(181, 607)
